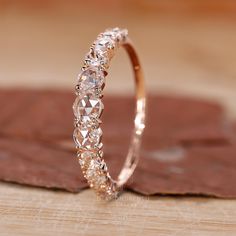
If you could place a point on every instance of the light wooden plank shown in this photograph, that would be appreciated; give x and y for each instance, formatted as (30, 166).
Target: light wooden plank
(39, 212)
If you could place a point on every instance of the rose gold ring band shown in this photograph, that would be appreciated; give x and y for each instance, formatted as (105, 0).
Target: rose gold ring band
(88, 108)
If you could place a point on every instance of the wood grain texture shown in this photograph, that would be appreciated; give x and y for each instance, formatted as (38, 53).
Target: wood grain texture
(38, 212)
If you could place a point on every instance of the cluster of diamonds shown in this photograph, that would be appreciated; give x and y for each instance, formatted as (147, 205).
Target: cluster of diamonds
(88, 108)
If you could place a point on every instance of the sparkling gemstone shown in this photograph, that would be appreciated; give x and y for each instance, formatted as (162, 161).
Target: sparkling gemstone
(95, 133)
(88, 155)
(116, 33)
(92, 169)
(94, 164)
(87, 107)
(90, 173)
(90, 79)
(103, 44)
(110, 33)
(86, 137)
(98, 61)
(100, 180)
(122, 33)
(82, 162)
(85, 158)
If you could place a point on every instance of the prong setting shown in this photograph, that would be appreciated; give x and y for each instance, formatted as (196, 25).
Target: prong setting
(88, 109)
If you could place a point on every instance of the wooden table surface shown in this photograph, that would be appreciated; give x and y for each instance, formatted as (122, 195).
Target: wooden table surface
(192, 56)
(39, 212)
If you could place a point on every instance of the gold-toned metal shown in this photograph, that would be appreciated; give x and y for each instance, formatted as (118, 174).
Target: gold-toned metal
(139, 121)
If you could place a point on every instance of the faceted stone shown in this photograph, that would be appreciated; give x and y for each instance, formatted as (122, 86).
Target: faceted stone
(99, 62)
(82, 162)
(90, 173)
(110, 33)
(90, 79)
(103, 44)
(94, 164)
(95, 133)
(92, 169)
(86, 137)
(87, 107)
(122, 34)
(85, 158)
(116, 34)
(88, 155)
(100, 180)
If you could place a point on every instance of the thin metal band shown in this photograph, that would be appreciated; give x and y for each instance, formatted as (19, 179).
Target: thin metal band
(88, 108)
(139, 121)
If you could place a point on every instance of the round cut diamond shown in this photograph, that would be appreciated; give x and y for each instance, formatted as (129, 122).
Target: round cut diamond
(116, 34)
(87, 107)
(100, 180)
(90, 173)
(87, 155)
(103, 45)
(92, 169)
(95, 133)
(85, 158)
(87, 138)
(90, 79)
(94, 164)
(110, 33)
(99, 62)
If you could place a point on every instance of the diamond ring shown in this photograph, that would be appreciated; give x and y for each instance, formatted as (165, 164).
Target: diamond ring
(88, 108)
